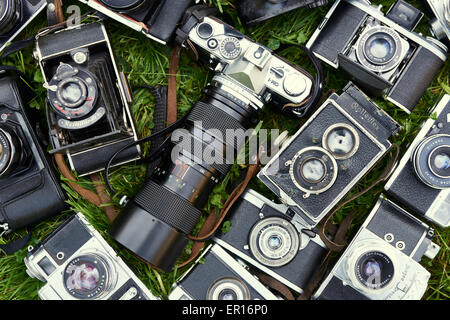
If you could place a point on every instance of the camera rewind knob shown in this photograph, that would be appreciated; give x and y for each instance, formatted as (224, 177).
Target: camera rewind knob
(293, 85)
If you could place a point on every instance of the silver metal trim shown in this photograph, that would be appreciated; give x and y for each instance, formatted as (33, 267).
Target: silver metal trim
(286, 198)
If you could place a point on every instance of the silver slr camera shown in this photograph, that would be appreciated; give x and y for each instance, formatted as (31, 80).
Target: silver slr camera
(382, 261)
(248, 70)
(78, 264)
(219, 277)
(339, 144)
(440, 25)
(421, 181)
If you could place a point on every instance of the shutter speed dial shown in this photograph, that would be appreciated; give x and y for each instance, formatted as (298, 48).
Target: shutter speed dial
(230, 48)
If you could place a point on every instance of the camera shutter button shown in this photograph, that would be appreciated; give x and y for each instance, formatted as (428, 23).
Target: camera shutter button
(293, 85)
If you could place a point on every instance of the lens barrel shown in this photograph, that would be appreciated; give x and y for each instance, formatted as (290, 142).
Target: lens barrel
(155, 224)
(10, 151)
(10, 13)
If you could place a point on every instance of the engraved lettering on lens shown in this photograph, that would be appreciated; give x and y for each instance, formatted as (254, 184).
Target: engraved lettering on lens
(374, 269)
(86, 277)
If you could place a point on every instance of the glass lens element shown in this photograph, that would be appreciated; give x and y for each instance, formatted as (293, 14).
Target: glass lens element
(313, 170)
(83, 277)
(379, 48)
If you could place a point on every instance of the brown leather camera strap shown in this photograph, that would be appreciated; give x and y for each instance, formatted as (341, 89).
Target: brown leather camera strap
(337, 245)
(172, 85)
(55, 13)
(99, 199)
(213, 221)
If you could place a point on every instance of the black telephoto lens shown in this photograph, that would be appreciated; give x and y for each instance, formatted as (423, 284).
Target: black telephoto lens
(10, 12)
(155, 224)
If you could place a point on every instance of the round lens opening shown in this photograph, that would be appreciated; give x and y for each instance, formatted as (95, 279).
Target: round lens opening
(440, 162)
(275, 242)
(374, 270)
(86, 277)
(313, 170)
(83, 277)
(379, 48)
(71, 92)
(228, 288)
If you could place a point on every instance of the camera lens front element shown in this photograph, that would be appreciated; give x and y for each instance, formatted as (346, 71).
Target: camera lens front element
(374, 269)
(10, 12)
(431, 161)
(274, 241)
(87, 277)
(379, 49)
(9, 151)
(229, 288)
(72, 92)
(313, 170)
(341, 140)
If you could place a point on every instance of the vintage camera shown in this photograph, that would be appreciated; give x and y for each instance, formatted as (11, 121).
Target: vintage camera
(421, 180)
(440, 25)
(341, 142)
(78, 264)
(15, 15)
(381, 262)
(270, 237)
(26, 175)
(256, 11)
(219, 277)
(88, 109)
(155, 224)
(381, 53)
(156, 19)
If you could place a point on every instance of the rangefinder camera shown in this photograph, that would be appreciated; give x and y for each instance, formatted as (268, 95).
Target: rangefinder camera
(440, 25)
(421, 181)
(270, 237)
(88, 111)
(380, 52)
(26, 174)
(156, 19)
(247, 77)
(78, 264)
(256, 11)
(15, 15)
(382, 261)
(219, 277)
(340, 143)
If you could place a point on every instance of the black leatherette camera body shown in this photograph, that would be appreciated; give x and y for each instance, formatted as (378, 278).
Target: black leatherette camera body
(31, 193)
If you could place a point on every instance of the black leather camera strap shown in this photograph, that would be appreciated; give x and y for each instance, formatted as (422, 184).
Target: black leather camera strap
(16, 245)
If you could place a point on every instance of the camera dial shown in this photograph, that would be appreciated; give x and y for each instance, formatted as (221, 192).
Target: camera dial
(431, 161)
(379, 49)
(9, 151)
(88, 277)
(342, 140)
(313, 170)
(274, 241)
(230, 48)
(72, 92)
(228, 288)
(10, 12)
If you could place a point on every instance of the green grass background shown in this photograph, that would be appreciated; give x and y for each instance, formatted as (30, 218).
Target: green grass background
(146, 62)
